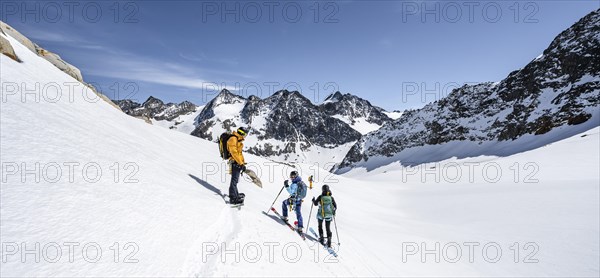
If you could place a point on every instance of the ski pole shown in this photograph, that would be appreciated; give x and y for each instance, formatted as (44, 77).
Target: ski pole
(310, 214)
(336, 231)
(275, 199)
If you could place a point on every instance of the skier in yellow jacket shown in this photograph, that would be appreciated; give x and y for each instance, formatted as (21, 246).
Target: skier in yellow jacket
(238, 164)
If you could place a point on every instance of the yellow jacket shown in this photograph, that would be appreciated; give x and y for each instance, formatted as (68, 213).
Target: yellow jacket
(235, 146)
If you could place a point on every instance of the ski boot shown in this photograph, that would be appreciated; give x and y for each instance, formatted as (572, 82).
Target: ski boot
(237, 201)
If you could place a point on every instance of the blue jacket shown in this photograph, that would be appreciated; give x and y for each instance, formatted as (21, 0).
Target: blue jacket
(296, 187)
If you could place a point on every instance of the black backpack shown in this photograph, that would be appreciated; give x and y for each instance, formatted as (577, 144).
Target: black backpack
(223, 145)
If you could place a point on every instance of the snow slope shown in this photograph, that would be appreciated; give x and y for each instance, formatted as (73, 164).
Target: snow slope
(360, 124)
(394, 114)
(548, 196)
(164, 201)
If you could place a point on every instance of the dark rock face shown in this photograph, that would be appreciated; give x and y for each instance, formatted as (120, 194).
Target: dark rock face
(286, 117)
(156, 109)
(353, 107)
(561, 87)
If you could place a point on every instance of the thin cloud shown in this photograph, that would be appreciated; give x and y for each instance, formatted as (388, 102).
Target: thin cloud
(201, 57)
(70, 40)
(111, 62)
(132, 67)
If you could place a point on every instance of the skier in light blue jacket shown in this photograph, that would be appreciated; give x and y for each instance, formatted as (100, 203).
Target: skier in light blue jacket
(297, 192)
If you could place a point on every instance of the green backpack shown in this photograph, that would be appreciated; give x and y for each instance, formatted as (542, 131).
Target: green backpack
(326, 209)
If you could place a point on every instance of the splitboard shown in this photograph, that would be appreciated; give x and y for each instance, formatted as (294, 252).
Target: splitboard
(252, 175)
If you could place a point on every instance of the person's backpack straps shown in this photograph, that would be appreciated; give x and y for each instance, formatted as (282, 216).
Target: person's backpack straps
(223, 149)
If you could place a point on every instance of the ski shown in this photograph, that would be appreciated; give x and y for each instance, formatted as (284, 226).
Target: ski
(329, 249)
(281, 217)
(298, 231)
(288, 224)
(314, 233)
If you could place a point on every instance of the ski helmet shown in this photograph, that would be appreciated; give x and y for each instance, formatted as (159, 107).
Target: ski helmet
(293, 174)
(242, 131)
(325, 188)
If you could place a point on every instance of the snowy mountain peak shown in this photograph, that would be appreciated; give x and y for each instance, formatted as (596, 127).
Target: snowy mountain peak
(288, 95)
(337, 96)
(253, 98)
(551, 98)
(355, 111)
(286, 126)
(155, 109)
(586, 31)
(285, 98)
(226, 97)
(152, 103)
(186, 103)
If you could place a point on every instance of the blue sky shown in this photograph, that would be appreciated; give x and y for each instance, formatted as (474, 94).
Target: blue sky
(397, 54)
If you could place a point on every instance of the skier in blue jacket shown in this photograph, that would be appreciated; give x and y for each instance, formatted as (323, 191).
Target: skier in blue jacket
(297, 192)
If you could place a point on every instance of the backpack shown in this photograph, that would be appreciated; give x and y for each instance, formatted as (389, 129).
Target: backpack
(302, 191)
(225, 154)
(326, 211)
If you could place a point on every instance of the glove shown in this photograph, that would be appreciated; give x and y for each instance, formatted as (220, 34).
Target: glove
(313, 199)
(243, 168)
(286, 183)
